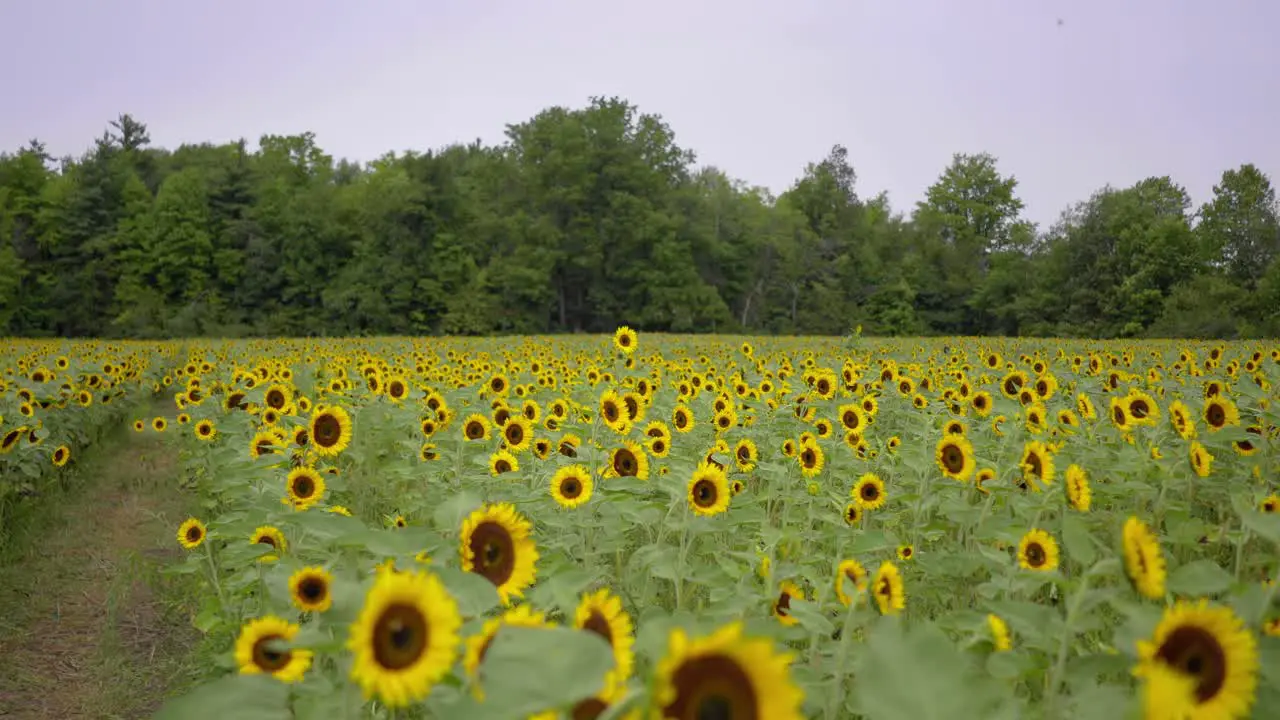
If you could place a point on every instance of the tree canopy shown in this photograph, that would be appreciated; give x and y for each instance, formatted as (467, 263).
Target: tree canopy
(587, 218)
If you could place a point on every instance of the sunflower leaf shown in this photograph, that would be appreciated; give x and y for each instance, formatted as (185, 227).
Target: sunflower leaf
(1201, 577)
(244, 697)
(528, 670)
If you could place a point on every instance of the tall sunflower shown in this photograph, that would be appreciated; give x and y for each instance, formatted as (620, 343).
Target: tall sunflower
(191, 533)
(708, 491)
(571, 486)
(1219, 412)
(310, 589)
(330, 430)
(1201, 662)
(517, 433)
(725, 675)
(263, 647)
(628, 461)
(887, 588)
(626, 340)
(1143, 561)
(869, 492)
(954, 455)
(405, 639)
(305, 487)
(1038, 551)
(496, 544)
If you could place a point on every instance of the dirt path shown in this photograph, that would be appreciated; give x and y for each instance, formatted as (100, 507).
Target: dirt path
(88, 628)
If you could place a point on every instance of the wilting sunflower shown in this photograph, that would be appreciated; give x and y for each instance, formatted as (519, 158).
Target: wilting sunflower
(1078, 493)
(628, 461)
(206, 431)
(61, 455)
(1201, 662)
(502, 462)
(954, 456)
(270, 536)
(787, 592)
(330, 430)
(601, 613)
(1000, 638)
(571, 486)
(856, 574)
(625, 340)
(496, 544)
(1037, 465)
(887, 588)
(868, 492)
(263, 647)
(1143, 560)
(708, 490)
(1038, 551)
(1201, 459)
(191, 533)
(310, 589)
(305, 487)
(725, 675)
(810, 458)
(406, 637)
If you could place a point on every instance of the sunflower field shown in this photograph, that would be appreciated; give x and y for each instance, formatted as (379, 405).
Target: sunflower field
(716, 527)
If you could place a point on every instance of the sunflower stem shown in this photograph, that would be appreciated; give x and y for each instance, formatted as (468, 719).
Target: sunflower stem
(680, 559)
(1060, 664)
(1244, 540)
(213, 574)
(842, 658)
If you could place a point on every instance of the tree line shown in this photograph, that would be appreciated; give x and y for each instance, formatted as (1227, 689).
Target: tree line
(584, 219)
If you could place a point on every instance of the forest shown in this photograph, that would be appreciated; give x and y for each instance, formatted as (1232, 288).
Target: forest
(584, 219)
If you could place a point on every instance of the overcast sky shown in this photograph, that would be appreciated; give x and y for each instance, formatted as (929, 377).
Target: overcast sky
(1115, 92)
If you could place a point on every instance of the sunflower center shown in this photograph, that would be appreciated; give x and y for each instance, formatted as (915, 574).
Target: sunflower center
(399, 637)
(809, 458)
(952, 459)
(660, 447)
(713, 687)
(193, 533)
(1139, 409)
(1197, 653)
(475, 430)
(267, 540)
(327, 430)
(303, 487)
(515, 434)
(598, 624)
(1118, 415)
(633, 407)
(312, 589)
(267, 656)
(1215, 415)
(502, 466)
(624, 463)
(610, 412)
(568, 450)
(589, 709)
(396, 389)
(704, 493)
(571, 488)
(681, 420)
(492, 547)
(850, 419)
(783, 606)
(870, 492)
(275, 399)
(1035, 555)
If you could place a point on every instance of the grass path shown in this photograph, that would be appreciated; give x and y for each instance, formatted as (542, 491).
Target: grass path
(88, 626)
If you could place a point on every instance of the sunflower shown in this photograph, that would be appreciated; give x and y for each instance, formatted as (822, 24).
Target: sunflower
(1143, 560)
(330, 430)
(571, 486)
(1000, 637)
(682, 418)
(856, 574)
(725, 675)
(428, 452)
(628, 461)
(1201, 662)
(891, 599)
(475, 427)
(206, 431)
(1181, 420)
(659, 447)
(270, 536)
(810, 458)
(1037, 465)
(852, 513)
(954, 455)
(601, 613)
(746, 455)
(1219, 412)
(852, 417)
(61, 455)
(517, 433)
(868, 492)
(310, 589)
(1078, 493)
(906, 553)
(981, 403)
(1120, 414)
(1270, 504)
(1201, 459)
(262, 647)
(1038, 551)
(625, 340)
(305, 487)
(1142, 407)
(568, 445)
(708, 491)
(502, 462)
(787, 592)
(191, 533)
(496, 544)
(406, 637)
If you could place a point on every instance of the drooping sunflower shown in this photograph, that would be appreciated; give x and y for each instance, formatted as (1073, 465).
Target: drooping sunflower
(725, 675)
(272, 537)
(1201, 459)
(954, 455)
(853, 571)
(626, 340)
(1037, 465)
(191, 533)
(1143, 561)
(330, 430)
(1000, 638)
(708, 491)
(601, 613)
(1078, 493)
(502, 462)
(309, 588)
(496, 544)
(1038, 551)
(787, 591)
(571, 486)
(1201, 662)
(891, 597)
(868, 492)
(405, 638)
(305, 487)
(263, 647)
(628, 461)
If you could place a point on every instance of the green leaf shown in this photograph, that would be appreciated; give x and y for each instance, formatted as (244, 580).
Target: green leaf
(1201, 577)
(1076, 538)
(811, 618)
(529, 670)
(244, 697)
(475, 594)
